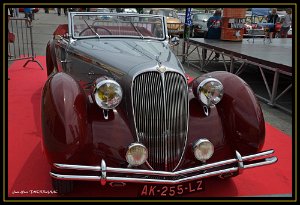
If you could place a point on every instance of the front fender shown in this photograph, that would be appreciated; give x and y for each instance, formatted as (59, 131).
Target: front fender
(240, 112)
(64, 119)
(51, 62)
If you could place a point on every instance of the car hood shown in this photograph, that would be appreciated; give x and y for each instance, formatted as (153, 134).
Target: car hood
(127, 54)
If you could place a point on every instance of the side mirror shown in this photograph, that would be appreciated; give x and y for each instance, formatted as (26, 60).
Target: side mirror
(174, 41)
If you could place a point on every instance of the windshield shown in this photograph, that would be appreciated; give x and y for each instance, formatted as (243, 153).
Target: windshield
(98, 25)
(201, 17)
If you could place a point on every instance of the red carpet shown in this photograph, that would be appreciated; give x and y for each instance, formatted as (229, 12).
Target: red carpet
(28, 170)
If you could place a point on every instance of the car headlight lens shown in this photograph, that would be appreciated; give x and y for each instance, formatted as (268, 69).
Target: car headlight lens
(203, 150)
(210, 91)
(136, 154)
(108, 94)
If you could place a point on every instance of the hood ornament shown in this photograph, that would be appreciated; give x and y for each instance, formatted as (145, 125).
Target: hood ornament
(161, 69)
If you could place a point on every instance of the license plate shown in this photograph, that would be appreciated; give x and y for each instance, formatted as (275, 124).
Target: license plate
(150, 190)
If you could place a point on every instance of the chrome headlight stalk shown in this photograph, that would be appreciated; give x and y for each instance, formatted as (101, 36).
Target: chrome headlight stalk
(107, 93)
(210, 91)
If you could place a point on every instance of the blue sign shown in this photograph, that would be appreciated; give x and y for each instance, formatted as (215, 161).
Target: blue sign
(260, 11)
(188, 17)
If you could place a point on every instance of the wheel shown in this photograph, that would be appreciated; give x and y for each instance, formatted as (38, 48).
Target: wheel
(62, 187)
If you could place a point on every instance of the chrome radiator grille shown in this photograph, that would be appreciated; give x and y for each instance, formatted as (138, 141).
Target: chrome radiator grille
(161, 113)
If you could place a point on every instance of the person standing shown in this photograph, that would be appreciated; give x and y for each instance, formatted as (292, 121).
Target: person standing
(58, 11)
(66, 11)
(214, 29)
(28, 15)
(214, 25)
(272, 19)
(16, 12)
(286, 23)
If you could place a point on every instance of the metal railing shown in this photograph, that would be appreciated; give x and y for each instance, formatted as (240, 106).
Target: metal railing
(22, 47)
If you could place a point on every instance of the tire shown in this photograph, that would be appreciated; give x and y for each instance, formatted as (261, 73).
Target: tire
(62, 187)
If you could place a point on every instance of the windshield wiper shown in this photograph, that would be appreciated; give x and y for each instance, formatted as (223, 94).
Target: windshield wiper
(135, 28)
(91, 28)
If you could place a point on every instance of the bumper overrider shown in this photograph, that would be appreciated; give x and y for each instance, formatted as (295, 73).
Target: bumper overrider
(127, 175)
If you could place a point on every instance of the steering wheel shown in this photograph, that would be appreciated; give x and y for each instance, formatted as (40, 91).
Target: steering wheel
(98, 27)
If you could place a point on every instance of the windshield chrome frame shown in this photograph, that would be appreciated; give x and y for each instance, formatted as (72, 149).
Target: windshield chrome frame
(71, 25)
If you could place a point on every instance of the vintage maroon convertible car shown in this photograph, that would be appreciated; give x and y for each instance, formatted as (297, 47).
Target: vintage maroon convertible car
(117, 108)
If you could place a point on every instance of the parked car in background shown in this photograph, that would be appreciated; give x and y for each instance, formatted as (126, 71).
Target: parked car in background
(199, 24)
(118, 108)
(104, 10)
(35, 10)
(181, 16)
(174, 24)
(290, 33)
(130, 10)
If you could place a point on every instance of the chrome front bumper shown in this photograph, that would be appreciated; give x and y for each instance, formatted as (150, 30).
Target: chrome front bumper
(236, 165)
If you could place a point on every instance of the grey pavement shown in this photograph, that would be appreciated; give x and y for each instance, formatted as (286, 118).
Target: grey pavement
(45, 24)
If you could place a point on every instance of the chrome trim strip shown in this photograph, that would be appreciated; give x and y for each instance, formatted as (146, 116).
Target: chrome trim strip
(165, 135)
(142, 180)
(182, 173)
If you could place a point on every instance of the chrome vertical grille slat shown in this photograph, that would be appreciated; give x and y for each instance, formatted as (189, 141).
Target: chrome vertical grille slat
(161, 112)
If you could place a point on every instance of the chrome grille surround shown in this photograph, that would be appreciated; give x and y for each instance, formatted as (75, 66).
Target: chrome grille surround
(161, 113)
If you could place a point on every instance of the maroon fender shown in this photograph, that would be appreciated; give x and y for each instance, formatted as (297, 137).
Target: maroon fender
(74, 129)
(241, 114)
(50, 57)
(64, 118)
(202, 126)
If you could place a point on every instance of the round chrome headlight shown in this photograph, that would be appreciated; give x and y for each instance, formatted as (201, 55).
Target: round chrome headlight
(210, 91)
(136, 154)
(203, 150)
(108, 94)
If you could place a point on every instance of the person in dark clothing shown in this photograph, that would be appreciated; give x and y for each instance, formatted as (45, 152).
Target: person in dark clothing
(214, 28)
(28, 15)
(66, 11)
(214, 25)
(58, 11)
(273, 19)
